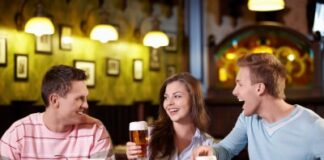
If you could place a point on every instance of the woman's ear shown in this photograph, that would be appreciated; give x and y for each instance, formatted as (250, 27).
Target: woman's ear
(261, 88)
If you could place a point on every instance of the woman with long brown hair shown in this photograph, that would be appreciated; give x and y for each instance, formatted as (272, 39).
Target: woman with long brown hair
(182, 121)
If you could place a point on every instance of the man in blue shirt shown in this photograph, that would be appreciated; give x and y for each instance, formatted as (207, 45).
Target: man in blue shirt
(272, 128)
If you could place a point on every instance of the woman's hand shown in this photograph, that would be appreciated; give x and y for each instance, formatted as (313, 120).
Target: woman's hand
(132, 150)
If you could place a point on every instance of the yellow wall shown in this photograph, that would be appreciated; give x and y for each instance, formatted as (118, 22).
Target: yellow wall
(108, 89)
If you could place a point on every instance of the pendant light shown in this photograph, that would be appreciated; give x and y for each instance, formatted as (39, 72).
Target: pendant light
(40, 24)
(155, 38)
(102, 31)
(266, 5)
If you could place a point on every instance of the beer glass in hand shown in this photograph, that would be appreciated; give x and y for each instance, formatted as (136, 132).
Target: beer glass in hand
(206, 158)
(139, 135)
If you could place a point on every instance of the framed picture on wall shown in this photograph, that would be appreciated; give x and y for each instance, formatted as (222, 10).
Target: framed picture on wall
(155, 59)
(112, 67)
(170, 70)
(21, 67)
(65, 37)
(3, 51)
(173, 42)
(90, 70)
(138, 69)
(44, 44)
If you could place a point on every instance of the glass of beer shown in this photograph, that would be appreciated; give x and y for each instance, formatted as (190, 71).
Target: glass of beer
(206, 158)
(138, 131)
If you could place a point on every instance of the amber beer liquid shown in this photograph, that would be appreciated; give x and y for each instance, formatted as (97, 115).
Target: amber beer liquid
(139, 134)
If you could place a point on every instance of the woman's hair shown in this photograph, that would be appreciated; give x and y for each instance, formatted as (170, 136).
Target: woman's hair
(162, 137)
(266, 69)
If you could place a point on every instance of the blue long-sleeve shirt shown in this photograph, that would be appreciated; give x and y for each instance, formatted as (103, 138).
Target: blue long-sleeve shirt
(299, 136)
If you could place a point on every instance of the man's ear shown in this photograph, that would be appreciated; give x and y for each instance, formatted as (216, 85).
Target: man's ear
(261, 89)
(53, 99)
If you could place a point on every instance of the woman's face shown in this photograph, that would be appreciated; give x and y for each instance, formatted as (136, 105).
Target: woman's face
(177, 102)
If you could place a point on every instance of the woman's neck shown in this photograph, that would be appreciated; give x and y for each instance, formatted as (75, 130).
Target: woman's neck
(183, 134)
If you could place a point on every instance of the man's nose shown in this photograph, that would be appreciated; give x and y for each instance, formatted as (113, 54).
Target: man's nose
(85, 105)
(234, 92)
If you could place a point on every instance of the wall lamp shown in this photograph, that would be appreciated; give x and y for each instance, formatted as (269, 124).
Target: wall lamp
(266, 5)
(38, 25)
(155, 38)
(102, 31)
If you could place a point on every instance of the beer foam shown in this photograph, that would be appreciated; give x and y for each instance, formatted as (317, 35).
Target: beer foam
(206, 158)
(138, 125)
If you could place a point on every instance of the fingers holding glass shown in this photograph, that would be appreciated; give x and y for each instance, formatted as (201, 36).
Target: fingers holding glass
(133, 150)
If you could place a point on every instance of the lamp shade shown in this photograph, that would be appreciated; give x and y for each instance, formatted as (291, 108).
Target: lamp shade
(156, 39)
(39, 26)
(104, 33)
(266, 5)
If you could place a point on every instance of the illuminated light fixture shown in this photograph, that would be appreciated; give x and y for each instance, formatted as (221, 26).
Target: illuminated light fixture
(230, 56)
(155, 39)
(291, 57)
(266, 5)
(104, 33)
(102, 30)
(263, 49)
(222, 74)
(38, 25)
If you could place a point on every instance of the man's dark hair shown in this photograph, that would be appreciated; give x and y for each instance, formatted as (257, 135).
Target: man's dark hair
(58, 80)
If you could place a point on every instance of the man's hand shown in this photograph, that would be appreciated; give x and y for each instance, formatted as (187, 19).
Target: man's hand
(201, 151)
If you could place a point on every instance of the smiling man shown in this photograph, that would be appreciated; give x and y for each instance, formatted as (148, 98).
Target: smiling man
(63, 131)
(270, 127)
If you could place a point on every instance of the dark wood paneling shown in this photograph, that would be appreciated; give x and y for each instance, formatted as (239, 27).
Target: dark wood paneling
(223, 119)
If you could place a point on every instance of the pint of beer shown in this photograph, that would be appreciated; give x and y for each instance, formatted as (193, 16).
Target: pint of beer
(206, 158)
(139, 135)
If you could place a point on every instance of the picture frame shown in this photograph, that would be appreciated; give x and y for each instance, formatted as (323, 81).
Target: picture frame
(155, 59)
(173, 42)
(3, 51)
(43, 44)
(138, 69)
(170, 70)
(65, 40)
(21, 67)
(112, 67)
(90, 70)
